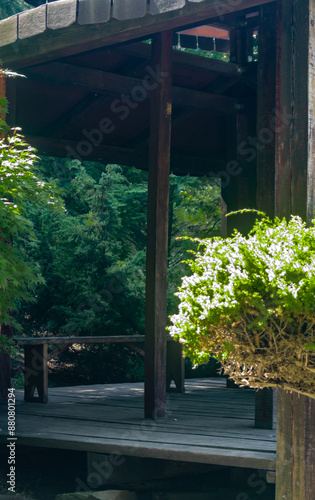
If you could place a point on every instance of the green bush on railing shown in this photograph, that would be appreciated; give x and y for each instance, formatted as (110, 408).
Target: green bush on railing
(250, 302)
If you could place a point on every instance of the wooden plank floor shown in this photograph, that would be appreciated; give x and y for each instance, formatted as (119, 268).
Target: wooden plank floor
(208, 424)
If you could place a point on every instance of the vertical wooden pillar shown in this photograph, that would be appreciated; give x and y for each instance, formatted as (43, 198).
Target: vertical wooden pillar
(36, 373)
(241, 188)
(266, 140)
(175, 367)
(266, 108)
(157, 228)
(294, 193)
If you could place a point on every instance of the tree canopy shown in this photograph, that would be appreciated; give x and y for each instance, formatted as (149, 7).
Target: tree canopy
(10, 7)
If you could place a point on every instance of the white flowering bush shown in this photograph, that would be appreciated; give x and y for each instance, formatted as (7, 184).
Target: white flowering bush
(250, 302)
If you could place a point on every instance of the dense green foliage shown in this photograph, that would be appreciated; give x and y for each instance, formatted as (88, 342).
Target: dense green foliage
(92, 259)
(250, 301)
(20, 185)
(92, 255)
(11, 7)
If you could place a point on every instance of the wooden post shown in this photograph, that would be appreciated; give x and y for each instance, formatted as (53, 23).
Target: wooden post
(36, 373)
(266, 106)
(239, 190)
(175, 367)
(157, 227)
(266, 131)
(294, 193)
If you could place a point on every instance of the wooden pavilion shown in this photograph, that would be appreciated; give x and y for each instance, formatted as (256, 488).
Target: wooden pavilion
(106, 83)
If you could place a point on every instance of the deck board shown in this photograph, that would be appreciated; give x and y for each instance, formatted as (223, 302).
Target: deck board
(208, 424)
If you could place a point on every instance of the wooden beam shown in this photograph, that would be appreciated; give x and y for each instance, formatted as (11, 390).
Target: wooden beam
(157, 224)
(101, 82)
(240, 188)
(295, 145)
(56, 43)
(180, 164)
(294, 193)
(266, 103)
(62, 124)
(31, 341)
(183, 59)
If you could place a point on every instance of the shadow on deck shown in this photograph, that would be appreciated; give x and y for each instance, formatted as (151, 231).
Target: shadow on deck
(208, 424)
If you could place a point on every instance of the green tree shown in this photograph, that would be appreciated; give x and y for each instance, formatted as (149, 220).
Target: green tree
(92, 256)
(20, 185)
(10, 7)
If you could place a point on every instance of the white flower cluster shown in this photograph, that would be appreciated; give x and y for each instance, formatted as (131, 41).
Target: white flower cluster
(273, 267)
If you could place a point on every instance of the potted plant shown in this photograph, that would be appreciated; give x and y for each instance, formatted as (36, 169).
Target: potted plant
(250, 302)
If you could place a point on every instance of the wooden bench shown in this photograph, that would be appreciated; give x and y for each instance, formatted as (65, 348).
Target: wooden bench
(36, 357)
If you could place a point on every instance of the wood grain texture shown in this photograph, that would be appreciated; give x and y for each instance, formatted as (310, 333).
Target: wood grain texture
(295, 195)
(32, 22)
(54, 43)
(266, 102)
(180, 164)
(296, 447)
(109, 418)
(35, 373)
(157, 228)
(295, 110)
(124, 9)
(77, 340)
(97, 11)
(101, 82)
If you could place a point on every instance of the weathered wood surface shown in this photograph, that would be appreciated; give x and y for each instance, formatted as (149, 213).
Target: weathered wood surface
(208, 424)
(103, 82)
(157, 228)
(180, 164)
(97, 11)
(124, 9)
(78, 340)
(266, 102)
(295, 145)
(35, 373)
(295, 153)
(71, 31)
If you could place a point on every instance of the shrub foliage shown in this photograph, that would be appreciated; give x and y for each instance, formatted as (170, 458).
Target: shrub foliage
(250, 302)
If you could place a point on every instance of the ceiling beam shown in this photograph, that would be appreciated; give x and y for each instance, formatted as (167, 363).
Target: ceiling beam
(55, 43)
(180, 164)
(184, 59)
(103, 82)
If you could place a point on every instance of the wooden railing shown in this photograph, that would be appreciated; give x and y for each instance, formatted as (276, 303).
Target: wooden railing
(36, 357)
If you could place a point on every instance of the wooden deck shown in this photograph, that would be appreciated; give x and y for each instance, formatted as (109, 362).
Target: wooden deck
(208, 424)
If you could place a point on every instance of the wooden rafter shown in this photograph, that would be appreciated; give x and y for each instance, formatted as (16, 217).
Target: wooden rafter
(180, 164)
(101, 82)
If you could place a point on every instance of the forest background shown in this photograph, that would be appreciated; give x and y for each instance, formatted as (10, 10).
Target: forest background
(90, 257)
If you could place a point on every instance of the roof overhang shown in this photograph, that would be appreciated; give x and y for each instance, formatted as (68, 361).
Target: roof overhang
(66, 27)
